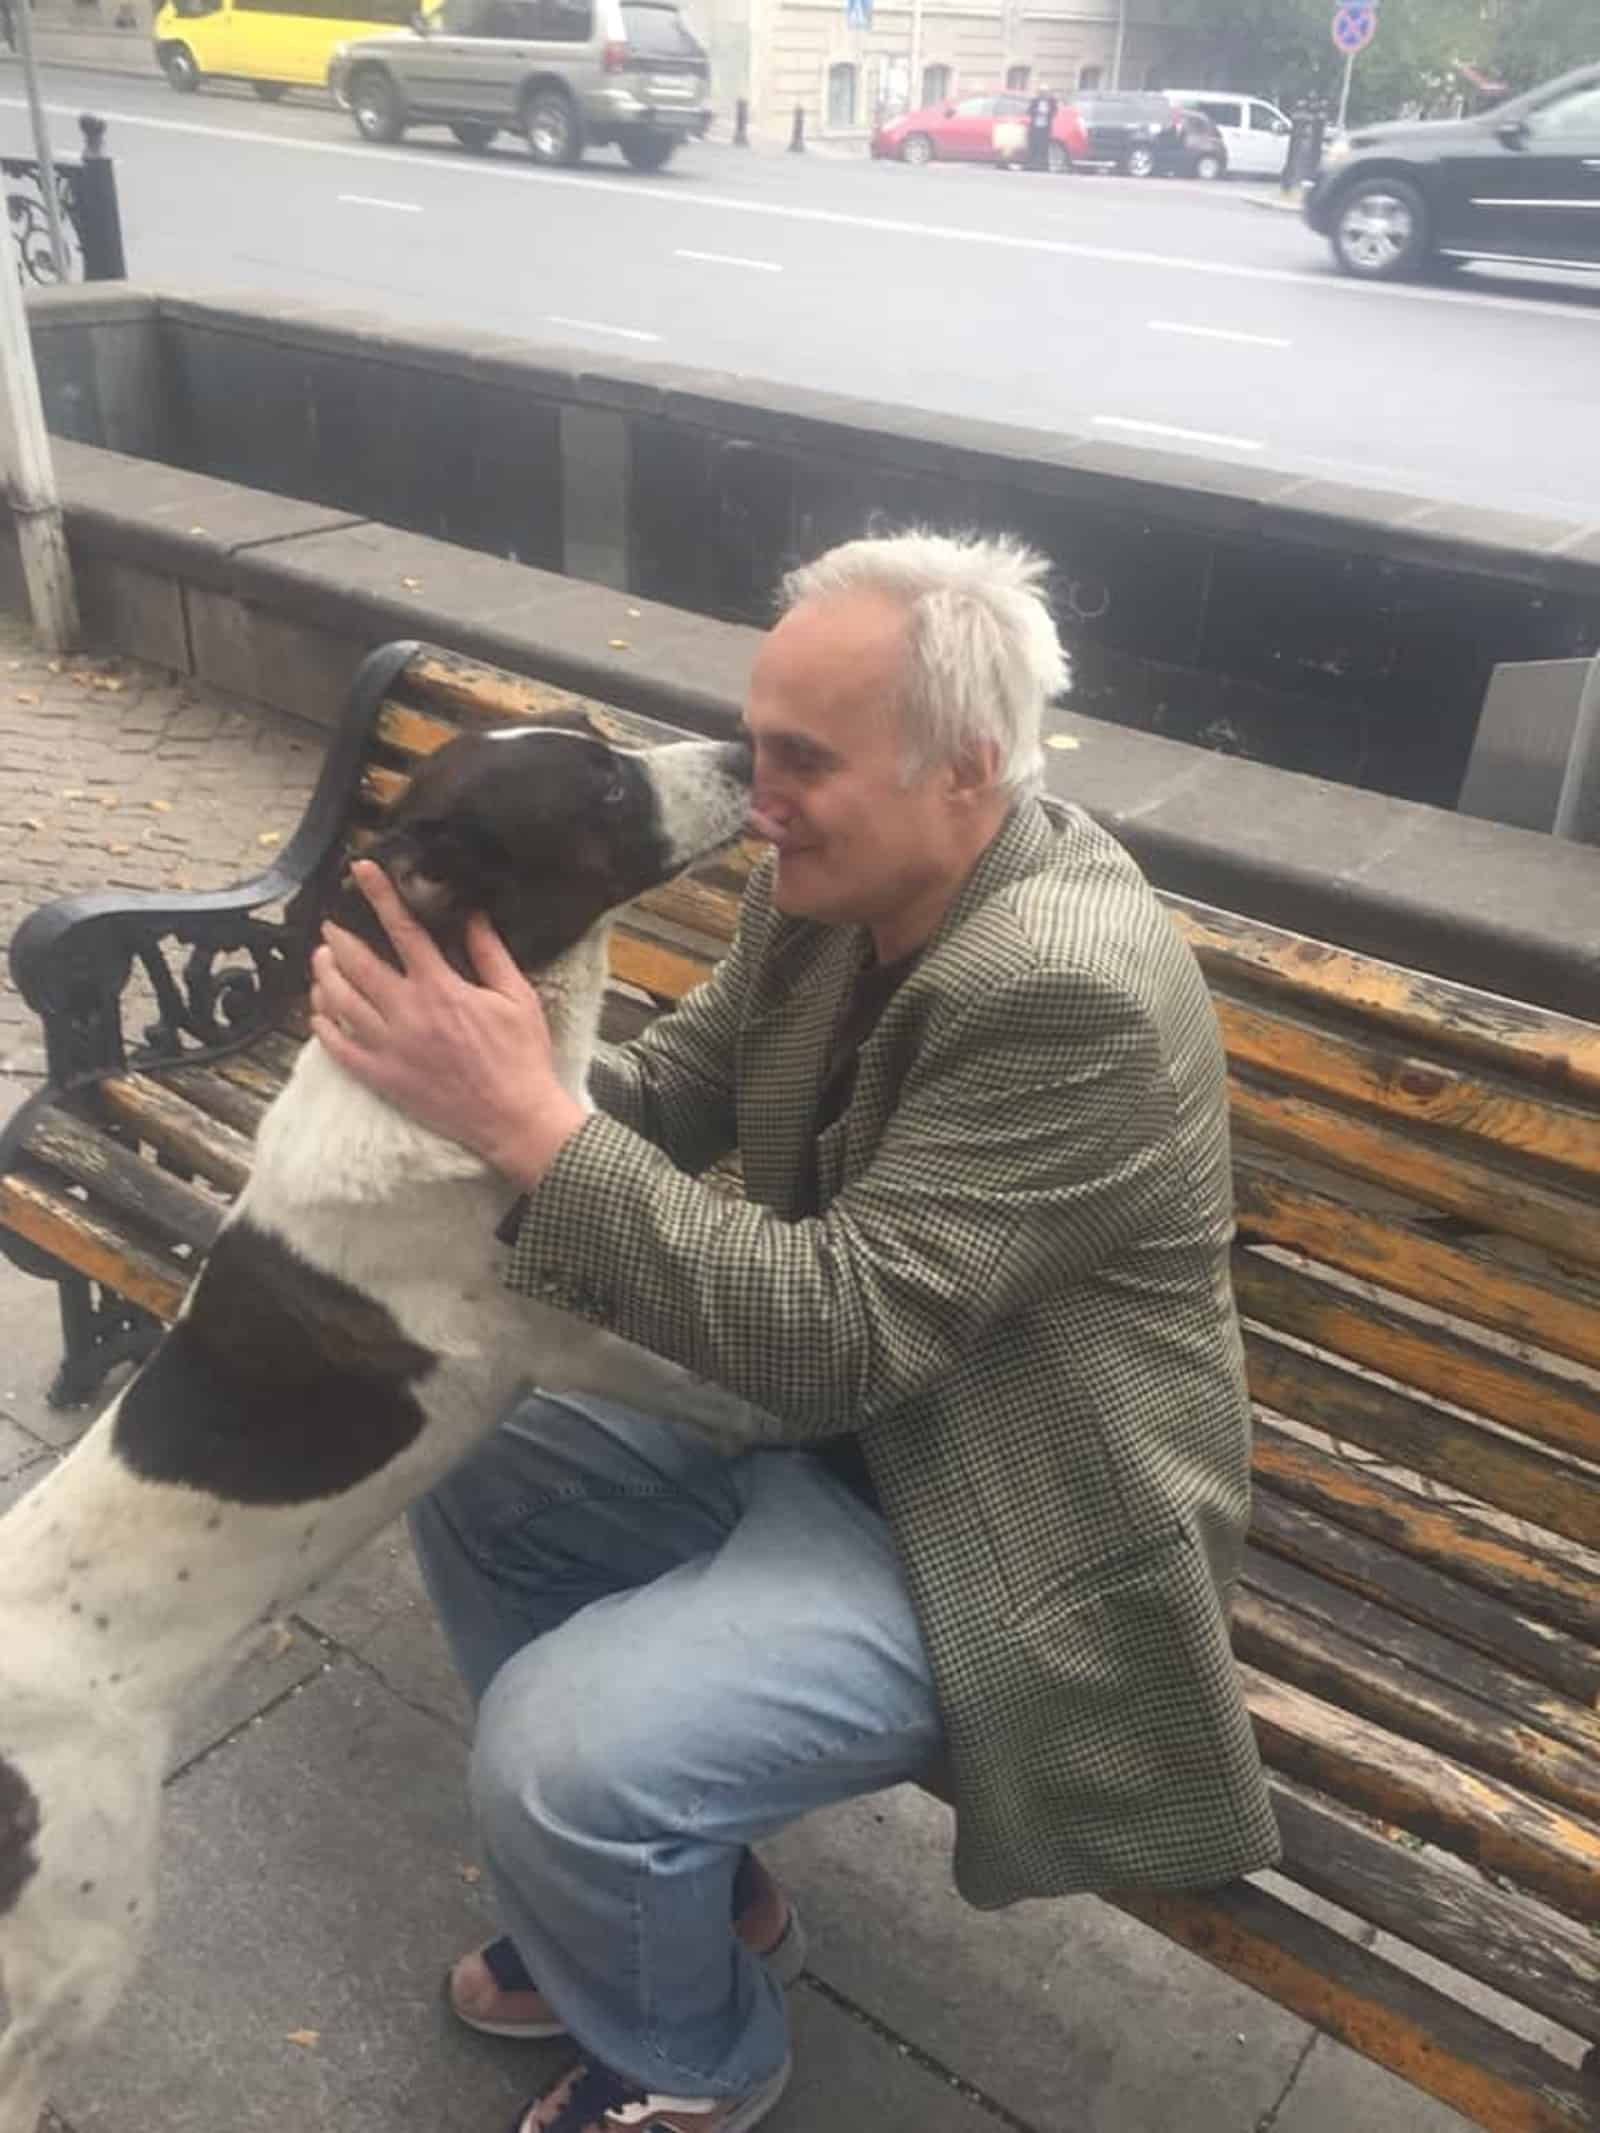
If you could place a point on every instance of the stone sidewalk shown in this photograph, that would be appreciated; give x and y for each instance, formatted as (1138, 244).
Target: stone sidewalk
(319, 1868)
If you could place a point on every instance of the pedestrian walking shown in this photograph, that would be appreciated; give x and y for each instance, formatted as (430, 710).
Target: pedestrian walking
(1041, 123)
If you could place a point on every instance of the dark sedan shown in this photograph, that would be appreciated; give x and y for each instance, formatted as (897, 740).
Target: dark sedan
(1147, 134)
(1521, 182)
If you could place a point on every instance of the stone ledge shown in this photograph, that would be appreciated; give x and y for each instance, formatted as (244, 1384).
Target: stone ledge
(279, 600)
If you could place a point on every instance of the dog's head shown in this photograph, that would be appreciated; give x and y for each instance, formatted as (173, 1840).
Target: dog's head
(547, 831)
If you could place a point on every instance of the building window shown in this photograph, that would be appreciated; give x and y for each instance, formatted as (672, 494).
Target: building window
(1089, 78)
(842, 94)
(1017, 77)
(935, 85)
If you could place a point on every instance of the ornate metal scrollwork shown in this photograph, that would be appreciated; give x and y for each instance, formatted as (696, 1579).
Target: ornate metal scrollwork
(203, 1007)
(30, 226)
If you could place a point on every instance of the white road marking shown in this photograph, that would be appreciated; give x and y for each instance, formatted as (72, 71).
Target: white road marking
(951, 233)
(726, 259)
(594, 325)
(1167, 429)
(400, 207)
(1219, 333)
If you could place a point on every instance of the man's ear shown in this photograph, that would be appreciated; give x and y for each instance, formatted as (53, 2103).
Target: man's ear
(974, 770)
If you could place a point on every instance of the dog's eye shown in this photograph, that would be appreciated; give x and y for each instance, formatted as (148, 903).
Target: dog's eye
(615, 793)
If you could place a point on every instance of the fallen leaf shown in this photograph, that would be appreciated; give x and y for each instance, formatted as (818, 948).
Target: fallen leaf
(412, 585)
(108, 684)
(279, 1641)
(117, 851)
(159, 807)
(27, 696)
(471, 1873)
(634, 613)
(197, 529)
(1062, 740)
(53, 666)
(109, 799)
(307, 2037)
(619, 644)
(270, 837)
(72, 792)
(32, 822)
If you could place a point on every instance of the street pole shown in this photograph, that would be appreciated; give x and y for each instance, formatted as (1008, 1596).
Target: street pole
(914, 85)
(1344, 93)
(1122, 33)
(31, 477)
(23, 15)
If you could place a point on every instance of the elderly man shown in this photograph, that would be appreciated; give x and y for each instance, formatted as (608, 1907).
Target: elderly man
(996, 1482)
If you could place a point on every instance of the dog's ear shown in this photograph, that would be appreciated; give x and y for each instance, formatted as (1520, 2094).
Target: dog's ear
(441, 870)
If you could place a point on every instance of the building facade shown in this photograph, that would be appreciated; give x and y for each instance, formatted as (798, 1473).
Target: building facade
(845, 73)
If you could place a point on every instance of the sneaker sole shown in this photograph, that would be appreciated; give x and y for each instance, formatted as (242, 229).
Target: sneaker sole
(785, 1960)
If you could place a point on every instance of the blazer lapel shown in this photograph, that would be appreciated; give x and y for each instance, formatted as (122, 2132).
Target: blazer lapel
(783, 1055)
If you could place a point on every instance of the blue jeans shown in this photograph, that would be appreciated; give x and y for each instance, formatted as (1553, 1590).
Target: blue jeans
(674, 1653)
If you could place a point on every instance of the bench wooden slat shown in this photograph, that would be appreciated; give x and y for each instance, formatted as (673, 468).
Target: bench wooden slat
(218, 1096)
(1418, 1166)
(1455, 1541)
(480, 695)
(1556, 1051)
(1432, 1358)
(1482, 1818)
(81, 1239)
(1497, 1470)
(1396, 1675)
(1463, 2058)
(86, 1155)
(1502, 1939)
(1410, 1085)
(177, 1128)
(1546, 1309)
(665, 971)
(1402, 1586)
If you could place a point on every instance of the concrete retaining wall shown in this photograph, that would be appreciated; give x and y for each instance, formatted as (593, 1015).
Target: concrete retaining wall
(1341, 632)
(278, 599)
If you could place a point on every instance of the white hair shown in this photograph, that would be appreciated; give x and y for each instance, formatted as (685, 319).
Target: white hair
(984, 657)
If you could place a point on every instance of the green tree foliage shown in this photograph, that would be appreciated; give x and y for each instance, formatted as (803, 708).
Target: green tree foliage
(1284, 48)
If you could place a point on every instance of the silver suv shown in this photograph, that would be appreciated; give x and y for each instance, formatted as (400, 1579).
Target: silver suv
(567, 74)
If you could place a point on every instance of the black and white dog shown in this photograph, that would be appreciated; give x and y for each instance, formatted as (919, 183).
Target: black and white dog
(347, 1341)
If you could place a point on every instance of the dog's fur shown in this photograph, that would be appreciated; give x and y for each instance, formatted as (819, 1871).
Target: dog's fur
(347, 1341)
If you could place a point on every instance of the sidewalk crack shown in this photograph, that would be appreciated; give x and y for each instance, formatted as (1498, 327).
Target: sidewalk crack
(917, 2056)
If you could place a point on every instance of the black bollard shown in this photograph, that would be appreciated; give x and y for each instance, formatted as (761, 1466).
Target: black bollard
(99, 222)
(741, 124)
(797, 139)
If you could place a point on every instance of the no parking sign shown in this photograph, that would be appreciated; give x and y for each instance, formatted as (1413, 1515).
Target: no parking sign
(1354, 25)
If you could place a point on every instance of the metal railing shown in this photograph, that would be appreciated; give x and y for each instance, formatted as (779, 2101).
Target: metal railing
(91, 226)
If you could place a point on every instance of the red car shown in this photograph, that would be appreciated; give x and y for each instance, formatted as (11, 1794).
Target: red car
(964, 132)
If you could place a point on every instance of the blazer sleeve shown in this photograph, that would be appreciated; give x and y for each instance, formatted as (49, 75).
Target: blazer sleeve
(1033, 1139)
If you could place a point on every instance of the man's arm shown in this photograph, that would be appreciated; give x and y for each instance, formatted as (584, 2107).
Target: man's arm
(1032, 1142)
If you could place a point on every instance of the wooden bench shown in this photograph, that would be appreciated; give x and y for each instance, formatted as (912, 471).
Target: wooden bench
(1419, 1268)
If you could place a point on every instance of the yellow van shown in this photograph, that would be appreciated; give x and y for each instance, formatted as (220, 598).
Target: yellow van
(275, 45)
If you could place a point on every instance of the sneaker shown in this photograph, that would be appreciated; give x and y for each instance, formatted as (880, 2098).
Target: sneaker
(491, 1990)
(590, 2099)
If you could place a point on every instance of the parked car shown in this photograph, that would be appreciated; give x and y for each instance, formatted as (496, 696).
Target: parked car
(275, 45)
(1255, 134)
(1146, 135)
(964, 132)
(566, 74)
(1521, 182)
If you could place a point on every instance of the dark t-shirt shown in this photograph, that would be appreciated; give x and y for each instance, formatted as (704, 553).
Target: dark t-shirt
(871, 994)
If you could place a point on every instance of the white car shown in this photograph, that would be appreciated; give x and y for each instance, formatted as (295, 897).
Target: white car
(1255, 132)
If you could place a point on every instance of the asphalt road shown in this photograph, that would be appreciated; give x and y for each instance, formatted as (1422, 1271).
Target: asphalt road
(1183, 315)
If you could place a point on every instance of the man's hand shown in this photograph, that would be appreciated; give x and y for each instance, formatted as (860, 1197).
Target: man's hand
(471, 1061)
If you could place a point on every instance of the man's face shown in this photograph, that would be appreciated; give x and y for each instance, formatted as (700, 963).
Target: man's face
(856, 843)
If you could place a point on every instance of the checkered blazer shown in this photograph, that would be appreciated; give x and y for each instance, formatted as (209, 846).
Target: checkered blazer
(1017, 1293)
